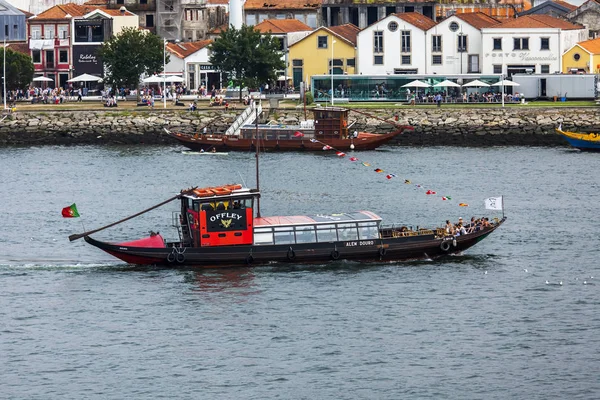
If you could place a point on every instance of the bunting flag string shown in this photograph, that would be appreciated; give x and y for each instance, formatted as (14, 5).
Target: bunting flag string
(389, 176)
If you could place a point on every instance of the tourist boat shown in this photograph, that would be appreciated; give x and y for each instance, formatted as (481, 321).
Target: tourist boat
(222, 227)
(330, 125)
(581, 141)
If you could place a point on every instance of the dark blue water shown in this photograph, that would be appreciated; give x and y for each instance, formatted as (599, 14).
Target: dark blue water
(75, 323)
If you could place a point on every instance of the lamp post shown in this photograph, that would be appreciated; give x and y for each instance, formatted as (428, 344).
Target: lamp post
(165, 73)
(4, 71)
(332, 93)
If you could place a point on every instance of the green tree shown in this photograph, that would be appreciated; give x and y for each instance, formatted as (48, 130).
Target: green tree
(130, 54)
(248, 57)
(19, 69)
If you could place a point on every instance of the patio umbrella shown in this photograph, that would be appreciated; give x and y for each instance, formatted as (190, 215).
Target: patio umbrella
(447, 84)
(416, 84)
(43, 79)
(506, 82)
(476, 83)
(85, 78)
(282, 78)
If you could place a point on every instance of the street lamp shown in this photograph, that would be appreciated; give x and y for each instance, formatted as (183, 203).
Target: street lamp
(4, 71)
(332, 93)
(165, 73)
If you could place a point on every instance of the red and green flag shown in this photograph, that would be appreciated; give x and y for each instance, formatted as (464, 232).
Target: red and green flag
(70, 211)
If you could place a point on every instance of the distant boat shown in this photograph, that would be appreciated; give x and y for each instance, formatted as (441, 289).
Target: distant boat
(202, 153)
(329, 127)
(581, 141)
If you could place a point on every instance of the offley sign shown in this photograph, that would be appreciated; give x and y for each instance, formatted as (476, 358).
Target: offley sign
(218, 221)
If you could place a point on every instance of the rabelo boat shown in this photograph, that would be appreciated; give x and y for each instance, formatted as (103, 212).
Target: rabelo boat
(222, 227)
(330, 125)
(581, 141)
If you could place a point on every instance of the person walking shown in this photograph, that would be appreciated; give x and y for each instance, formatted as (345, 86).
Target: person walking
(438, 100)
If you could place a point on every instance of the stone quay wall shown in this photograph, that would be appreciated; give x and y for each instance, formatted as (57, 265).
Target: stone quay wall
(432, 126)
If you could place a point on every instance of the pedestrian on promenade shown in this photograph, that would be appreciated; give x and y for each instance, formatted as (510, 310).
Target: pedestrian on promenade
(438, 99)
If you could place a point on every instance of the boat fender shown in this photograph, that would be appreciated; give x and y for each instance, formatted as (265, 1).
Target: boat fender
(249, 260)
(291, 254)
(382, 251)
(335, 254)
(180, 258)
(445, 246)
(454, 242)
(171, 257)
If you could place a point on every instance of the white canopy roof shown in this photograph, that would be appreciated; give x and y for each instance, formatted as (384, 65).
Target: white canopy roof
(447, 83)
(417, 84)
(506, 82)
(85, 78)
(476, 83)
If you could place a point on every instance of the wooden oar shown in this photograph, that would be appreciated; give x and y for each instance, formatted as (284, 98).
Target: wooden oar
(80, 235)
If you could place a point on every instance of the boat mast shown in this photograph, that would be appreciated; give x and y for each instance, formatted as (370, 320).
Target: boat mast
(256, 156)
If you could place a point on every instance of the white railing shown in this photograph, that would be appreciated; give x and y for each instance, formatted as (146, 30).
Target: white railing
(248, 116)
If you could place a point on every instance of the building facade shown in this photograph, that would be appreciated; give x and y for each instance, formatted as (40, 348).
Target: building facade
(12, 21)
(394, 45)
(324, 51)
(529, 44)
(454, 45)
(366, 13)
(307, 12)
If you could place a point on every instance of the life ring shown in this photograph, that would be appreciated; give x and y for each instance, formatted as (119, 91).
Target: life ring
(335, 255)
(291, 254)
(454, 243)
(171, 257)
(382, 251)
(180, 257)
(249, 260)
(445, 245)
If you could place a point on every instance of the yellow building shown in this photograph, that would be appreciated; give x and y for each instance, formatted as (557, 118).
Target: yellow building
(584, 57)
(313, 54)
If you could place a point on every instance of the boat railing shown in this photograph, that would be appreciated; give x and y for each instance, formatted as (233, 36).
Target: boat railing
(394, 231)
(247, 116)
(176, 220)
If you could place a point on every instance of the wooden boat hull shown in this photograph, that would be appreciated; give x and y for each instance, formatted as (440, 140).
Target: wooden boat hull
(581, 141)
(426, 246)
(224, 143)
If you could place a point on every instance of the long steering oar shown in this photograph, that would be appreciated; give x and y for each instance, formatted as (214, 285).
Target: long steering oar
(80, 235)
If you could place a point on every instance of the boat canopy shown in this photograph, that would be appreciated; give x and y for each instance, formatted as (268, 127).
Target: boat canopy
(316, 219)
(217, 191)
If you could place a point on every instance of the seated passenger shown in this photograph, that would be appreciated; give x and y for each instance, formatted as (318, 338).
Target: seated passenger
(449, 228)
(220, 206)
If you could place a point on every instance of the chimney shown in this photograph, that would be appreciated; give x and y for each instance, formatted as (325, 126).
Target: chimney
(236, 13)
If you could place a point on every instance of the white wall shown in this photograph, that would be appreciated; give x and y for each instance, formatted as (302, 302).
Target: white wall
(560, 41)
(453, 62)
(391, 48)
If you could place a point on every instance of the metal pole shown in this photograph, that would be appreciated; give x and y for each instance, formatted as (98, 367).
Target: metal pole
(332, 42)
(164, 73)
(257, 155)
(4, 71)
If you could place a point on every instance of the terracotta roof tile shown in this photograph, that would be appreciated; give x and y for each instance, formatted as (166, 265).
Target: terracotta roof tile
(19, 47)
(347, 31)
(75, 10)
(27, 13)
(593, 46)
(185, 49)
(282, 26)
(419, 20)
(217, 2)
(478, 20)
(266, 5)
(569, 6)
(538, 21)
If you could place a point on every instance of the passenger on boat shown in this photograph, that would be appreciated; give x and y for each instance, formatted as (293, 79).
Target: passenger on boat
(449, 228)
(460, 229)
(485, 221)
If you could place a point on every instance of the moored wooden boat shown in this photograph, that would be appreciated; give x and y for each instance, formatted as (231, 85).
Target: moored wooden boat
(330, 125)
(581, 141)
(222, 227)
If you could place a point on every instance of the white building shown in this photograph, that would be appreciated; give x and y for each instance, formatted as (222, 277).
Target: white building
(192, 60)
(528, 44)
(395, 44)
(454, 45)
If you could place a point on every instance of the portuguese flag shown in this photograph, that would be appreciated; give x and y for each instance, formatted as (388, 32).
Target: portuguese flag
(70, 212)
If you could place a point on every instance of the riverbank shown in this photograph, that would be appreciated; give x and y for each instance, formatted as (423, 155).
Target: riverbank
(432, 126)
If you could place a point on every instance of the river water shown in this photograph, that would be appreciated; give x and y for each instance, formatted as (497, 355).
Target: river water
(493, 323)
